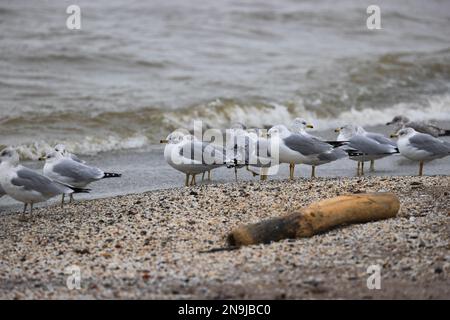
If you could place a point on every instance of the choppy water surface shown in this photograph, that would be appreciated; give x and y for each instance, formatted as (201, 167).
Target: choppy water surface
(138, 69)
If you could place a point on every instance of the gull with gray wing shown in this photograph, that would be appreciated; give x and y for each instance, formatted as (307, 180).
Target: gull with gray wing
(401, 122)
(27, 186)
(68, 171)
(296, 148)
(191, 156)
(299, 126)
(361, 148)
(421, 147)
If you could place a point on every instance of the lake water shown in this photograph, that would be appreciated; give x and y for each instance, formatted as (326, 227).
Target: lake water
(139, 69)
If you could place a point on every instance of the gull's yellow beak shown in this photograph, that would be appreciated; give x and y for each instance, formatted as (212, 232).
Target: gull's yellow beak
(394, 135)
(337, 130)
(310, 126)
(164, 141)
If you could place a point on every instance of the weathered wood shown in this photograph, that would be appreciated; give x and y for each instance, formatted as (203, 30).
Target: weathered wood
(318, 217)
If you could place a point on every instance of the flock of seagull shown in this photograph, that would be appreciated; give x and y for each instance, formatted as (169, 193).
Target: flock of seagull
(63, 174)
(256, 150)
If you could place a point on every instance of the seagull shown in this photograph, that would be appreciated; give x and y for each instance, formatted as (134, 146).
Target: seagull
(296, 148)
(27, 186)
(191, 156)
(259, 153)
(377, 137)
(68, 171)
(62, 149)
(363, 148)
(248, 149)
(421, 147)
(401, 122)
(299, 126)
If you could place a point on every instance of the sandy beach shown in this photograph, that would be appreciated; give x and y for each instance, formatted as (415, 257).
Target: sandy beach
(149, 245)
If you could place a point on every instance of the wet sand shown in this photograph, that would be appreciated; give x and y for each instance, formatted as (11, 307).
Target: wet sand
(148, 245)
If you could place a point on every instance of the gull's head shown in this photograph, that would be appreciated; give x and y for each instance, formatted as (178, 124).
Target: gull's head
(174, 138)
(347, 131)
(9, 155)
(404, 133)
(398, 120)
(52, 156)
(300, 125)
(278, 130)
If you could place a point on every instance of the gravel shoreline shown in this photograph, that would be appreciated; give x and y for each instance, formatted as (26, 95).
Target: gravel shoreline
(147, 246)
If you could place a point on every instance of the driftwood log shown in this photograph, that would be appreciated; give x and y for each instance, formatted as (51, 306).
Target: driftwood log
(317, 218)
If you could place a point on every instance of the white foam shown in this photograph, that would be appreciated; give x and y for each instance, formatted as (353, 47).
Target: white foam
(215, 115)
(437, 108)
(219, 115)
(89, 145)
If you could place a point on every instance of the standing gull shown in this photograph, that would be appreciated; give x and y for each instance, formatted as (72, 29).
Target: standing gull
(363, 148)
(68, 171)
(401, 122)
(191, 156)
(378, 138)
(421, 147)
(27, 186)
(259, 154)
(299, 126)
(296, 148)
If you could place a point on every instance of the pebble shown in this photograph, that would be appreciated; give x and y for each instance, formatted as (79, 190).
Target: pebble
(148, 246)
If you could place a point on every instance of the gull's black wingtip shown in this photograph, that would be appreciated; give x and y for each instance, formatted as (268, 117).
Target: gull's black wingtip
(112, 175)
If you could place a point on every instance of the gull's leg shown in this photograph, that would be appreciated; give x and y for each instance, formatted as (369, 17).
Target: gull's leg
(62, 200)
(263, 172)
(209, 175)
(235, 173)
(186, 183)
(23, 215)
(313, 171)
(193, 180)
(362, 168)
(71, 198)
(291, 171)
(420, 168)
(203, 176)
(372, 165)
(358, 169)
(31, 208)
